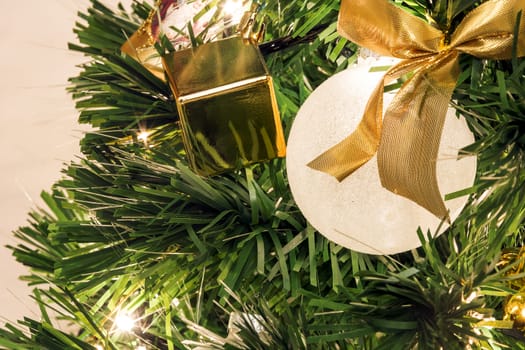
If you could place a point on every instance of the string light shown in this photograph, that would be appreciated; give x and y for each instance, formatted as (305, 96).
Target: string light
(124, 322)
(175, 302)
(234, 9)
(143, 136)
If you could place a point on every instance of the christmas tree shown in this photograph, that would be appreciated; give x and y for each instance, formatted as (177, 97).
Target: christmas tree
(138, 251)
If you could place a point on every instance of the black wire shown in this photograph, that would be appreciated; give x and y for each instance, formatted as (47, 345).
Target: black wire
(290, 41)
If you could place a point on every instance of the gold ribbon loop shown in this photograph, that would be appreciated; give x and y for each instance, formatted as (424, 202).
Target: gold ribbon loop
(407, 140)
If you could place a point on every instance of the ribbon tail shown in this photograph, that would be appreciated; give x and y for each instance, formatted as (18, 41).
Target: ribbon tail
(411, 135)
(359, 147)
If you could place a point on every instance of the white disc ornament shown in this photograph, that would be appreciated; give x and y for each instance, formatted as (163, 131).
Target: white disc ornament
(358, 213)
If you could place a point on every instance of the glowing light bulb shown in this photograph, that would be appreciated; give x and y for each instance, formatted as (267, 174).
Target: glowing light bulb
(141, 347)
(124, 322)
(234, 9)
(99, 347)
(143, 136)
(522, 312)
(175, 302)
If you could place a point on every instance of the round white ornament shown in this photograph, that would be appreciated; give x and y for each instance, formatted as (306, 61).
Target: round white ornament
(358, 213)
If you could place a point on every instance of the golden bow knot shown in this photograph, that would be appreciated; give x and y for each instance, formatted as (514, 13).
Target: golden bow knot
(407, 139)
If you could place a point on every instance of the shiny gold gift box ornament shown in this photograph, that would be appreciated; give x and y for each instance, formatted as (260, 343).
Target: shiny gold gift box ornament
(515, 311)
(227, 106)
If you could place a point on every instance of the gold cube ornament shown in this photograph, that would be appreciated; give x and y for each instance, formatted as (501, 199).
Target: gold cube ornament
(227, 106)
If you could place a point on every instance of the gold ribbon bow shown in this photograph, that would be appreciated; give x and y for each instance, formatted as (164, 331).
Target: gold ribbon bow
(407, 140)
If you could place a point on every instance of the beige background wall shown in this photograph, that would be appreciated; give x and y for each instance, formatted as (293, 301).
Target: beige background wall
(39, 130)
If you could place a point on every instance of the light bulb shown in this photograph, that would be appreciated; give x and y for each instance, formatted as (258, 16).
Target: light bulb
(234, 9)
(124, 322)
(143, 136)
(175, 302)
(141, 347)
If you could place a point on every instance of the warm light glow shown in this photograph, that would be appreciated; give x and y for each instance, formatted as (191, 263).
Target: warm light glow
(175, 302)
(124, 322)
(143, 136)
(234, 9)
(99, 347)
(522, 312)
(141, 347)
